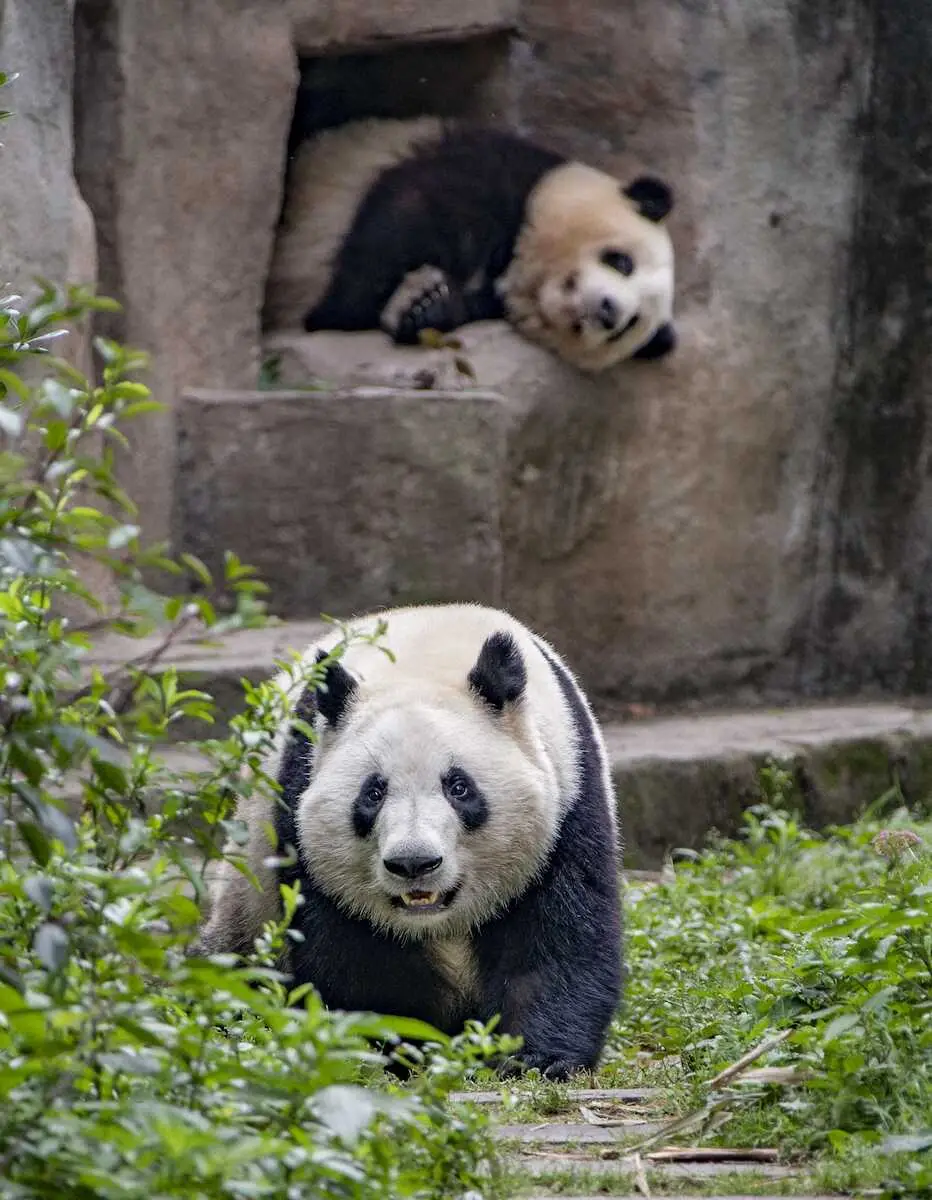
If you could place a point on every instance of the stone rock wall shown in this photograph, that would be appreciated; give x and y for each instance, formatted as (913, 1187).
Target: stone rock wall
(747, 519)
(686, 546)
(183, 113)
(367, 498)
(46, 228)
(182, 116)
(869, 551)
(769, 529)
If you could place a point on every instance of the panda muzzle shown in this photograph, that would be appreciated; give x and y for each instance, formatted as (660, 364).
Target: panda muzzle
(630, 324)
(423, 901)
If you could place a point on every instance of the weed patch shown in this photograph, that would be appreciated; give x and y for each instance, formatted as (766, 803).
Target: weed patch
(825, 939)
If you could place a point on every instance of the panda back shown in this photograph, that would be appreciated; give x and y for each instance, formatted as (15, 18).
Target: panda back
(448, 194)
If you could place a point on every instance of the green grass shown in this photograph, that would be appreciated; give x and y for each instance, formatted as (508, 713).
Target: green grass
(825, 937)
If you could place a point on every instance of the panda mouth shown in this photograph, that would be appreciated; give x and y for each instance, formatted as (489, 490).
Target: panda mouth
(424, 902)
(620, 333)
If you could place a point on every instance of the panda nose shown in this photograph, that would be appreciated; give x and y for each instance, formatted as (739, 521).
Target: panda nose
(608, 313)
(412, 866)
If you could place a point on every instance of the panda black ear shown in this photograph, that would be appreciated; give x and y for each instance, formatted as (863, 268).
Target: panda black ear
(336, 691)
(499, 676)
(652, 197)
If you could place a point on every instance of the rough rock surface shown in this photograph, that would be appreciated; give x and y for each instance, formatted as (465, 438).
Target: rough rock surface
(775, 505)
(332, 25)
(347, 501)
(46, 228)
(182, 119)
(870, 543)
(752, 517)
(748, 519)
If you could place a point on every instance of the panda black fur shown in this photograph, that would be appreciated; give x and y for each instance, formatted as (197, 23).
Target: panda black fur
(409, 225)
(456, 836)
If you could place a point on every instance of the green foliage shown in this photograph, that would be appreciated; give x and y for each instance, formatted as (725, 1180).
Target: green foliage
(4, 81)
(827, 937)
(815, 949)
(128, 1068)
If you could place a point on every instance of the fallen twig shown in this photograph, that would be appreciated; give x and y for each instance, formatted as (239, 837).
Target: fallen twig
(640, 1176)
(736, 1068)
(712, 1154)
(636, 1116)
(783, 1075)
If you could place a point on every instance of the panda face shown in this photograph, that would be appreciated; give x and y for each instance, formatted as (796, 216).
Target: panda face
(593, 273)
(611, 302)
(425, 817)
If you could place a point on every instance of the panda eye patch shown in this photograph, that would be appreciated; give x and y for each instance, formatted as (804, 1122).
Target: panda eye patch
(465, 798)
(368, 802)
(458, 788)
(618, 260)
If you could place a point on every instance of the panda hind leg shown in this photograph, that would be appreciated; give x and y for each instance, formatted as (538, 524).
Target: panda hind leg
(425, 299)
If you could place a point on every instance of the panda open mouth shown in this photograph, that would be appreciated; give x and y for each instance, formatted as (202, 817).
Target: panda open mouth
(425, 902)
(620, 333)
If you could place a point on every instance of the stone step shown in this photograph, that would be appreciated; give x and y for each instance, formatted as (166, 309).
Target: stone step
(677, 777)
(658, 1173)
(573, 1096)
(346, 500)
(576, 1133)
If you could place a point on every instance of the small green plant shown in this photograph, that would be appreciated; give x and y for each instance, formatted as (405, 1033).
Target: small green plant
(818, 945)
(5, 80)
(127, 1067)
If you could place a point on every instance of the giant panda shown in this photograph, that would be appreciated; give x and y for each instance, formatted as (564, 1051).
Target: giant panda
(455, 831)
(409, 225)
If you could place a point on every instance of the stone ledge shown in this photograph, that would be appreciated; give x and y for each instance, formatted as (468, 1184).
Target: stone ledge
(660, 1173)
(676, 777)
(781, 733)
(500, 360)
(680, 777)
(340, 27)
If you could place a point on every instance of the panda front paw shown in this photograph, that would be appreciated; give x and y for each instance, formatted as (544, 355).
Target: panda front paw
(425, 299)
(549, 1067)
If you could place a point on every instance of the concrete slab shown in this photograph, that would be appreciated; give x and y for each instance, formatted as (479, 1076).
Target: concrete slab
(576, 1133)
(347, 500)
(543, 1162)
(778, 732)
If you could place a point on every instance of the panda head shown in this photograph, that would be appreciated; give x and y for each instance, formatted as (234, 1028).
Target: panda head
(592, 276)
(432, 800)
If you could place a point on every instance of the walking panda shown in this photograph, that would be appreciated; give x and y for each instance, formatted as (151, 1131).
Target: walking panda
(409, 225)
(456, 836)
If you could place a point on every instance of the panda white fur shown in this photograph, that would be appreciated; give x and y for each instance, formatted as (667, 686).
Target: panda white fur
(456, 836)
(409, 225)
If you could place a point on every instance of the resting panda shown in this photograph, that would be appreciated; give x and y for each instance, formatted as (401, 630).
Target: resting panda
(456, 836)
(409, 225)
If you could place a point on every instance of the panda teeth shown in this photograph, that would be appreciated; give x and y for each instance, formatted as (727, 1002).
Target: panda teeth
(420, 899)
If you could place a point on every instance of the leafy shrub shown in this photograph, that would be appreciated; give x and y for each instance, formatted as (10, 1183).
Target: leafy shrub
(126, 1068)
(825, 936)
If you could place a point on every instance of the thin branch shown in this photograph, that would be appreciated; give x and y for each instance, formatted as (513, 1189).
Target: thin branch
(745, 1061)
